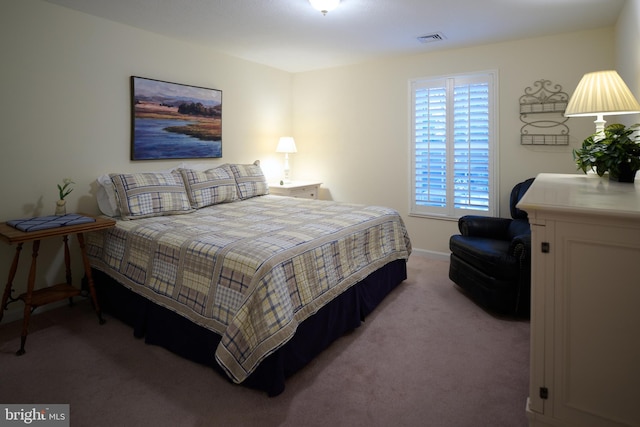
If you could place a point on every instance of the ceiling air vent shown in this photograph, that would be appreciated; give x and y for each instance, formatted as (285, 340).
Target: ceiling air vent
(430, 38)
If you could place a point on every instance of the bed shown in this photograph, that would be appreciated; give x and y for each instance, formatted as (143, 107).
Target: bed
(211, 266)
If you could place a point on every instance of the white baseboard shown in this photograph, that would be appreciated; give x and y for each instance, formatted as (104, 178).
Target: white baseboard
(441, 256)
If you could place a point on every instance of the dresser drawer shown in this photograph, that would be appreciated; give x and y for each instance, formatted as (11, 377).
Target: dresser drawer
(302, 191)
(309, 192)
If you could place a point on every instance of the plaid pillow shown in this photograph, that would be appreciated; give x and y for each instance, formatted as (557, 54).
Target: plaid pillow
(250, 180)
(210, 187)
(148, 194)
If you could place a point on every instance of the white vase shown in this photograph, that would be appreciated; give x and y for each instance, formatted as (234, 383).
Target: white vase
(61, 207)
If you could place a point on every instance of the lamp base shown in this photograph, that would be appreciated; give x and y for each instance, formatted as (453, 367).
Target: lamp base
(287, 175)
(600, 122)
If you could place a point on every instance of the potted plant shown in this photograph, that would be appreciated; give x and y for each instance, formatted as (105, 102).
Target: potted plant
(63, 191)
(616, 151)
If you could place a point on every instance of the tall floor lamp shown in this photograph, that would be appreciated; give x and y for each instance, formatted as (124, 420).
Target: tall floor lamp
(286, 145)
(599, 94)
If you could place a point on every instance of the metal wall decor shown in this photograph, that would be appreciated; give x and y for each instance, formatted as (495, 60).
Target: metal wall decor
(542, 112)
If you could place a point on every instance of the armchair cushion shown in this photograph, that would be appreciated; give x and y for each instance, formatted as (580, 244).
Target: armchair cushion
(491, 256)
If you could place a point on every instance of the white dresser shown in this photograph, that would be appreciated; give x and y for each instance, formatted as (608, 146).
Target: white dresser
(300, 189)
(585, 301)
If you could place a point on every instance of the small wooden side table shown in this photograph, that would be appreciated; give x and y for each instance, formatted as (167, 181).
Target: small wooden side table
(36, 298)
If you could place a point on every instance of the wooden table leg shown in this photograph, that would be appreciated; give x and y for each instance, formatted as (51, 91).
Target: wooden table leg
(87, 272)
(67, 259)
(9, 286)
(67, 264)
(27, 299)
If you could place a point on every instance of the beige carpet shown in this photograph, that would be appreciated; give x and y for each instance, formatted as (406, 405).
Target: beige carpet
(427, 356)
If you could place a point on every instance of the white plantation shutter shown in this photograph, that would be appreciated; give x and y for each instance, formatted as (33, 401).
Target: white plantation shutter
(453, 146)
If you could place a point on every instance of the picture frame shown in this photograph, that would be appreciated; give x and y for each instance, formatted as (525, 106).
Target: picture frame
(174, 121)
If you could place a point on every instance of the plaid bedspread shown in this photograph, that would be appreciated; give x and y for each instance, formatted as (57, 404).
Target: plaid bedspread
(251, 270)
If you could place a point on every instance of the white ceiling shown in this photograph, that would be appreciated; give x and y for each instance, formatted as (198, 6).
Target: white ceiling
(292, 36)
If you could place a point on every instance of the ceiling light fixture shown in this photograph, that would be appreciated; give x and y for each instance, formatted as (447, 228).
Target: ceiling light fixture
(324, 6)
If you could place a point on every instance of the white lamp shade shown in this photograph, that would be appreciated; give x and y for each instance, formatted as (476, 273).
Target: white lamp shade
(324, 6)
(286, 144)
(601, 93)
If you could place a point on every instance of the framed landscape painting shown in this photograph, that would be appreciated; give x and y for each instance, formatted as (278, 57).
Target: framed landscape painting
(174, 121)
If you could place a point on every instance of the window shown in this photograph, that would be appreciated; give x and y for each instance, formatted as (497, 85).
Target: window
(453, 145)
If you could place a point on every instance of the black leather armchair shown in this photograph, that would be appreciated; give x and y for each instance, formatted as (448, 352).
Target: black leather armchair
(491, 258)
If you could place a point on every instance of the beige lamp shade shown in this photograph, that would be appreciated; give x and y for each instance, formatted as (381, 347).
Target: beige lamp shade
(286, 144)
(601, 93)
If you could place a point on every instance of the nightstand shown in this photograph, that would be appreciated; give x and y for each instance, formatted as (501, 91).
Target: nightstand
(299, 189)
(36, 298)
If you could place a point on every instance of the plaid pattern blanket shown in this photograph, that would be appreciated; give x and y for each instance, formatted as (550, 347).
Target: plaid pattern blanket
(251, 270)
(46, 222)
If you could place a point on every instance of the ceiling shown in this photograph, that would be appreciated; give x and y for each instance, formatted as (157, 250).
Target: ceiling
(290, 35)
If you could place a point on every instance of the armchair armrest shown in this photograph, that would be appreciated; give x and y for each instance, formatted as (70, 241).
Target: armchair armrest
(482, 226)
(520, 247)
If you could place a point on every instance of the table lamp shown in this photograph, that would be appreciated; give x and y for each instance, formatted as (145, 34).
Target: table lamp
(601, 93)
(286, 145)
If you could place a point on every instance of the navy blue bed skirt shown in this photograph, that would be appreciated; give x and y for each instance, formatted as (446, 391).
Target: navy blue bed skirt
(163, 327)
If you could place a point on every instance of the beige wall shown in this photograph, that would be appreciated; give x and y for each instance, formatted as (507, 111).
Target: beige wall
(65, 112)
(628, 52)
(352, 128)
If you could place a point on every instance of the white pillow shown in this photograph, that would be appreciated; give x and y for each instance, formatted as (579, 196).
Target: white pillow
(106, 196)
